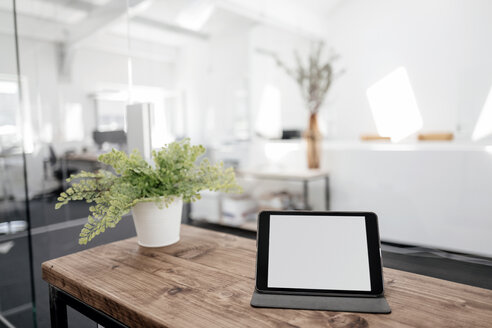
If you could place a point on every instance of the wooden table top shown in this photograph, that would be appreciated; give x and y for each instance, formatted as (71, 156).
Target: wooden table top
(207, 279)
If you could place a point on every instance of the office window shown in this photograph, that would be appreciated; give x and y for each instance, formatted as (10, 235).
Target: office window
(14, 123)
(394, 107)
(74, 122)
(269, 117)
(484, 123)
(110, 114)
(8, 108)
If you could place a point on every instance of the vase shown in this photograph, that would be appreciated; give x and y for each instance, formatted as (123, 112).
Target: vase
(313, 140)
(155, 226)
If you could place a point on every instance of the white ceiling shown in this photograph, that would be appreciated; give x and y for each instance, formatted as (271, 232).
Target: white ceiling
(158, 20)
(46, 10)
(323, 7)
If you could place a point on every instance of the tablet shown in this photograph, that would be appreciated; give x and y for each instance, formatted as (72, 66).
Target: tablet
(319, 253)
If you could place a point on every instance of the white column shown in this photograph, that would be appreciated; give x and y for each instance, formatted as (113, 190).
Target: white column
(138, 129)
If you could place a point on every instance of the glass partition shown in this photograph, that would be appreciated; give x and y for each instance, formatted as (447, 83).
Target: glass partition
(17, 306)
(74, 72)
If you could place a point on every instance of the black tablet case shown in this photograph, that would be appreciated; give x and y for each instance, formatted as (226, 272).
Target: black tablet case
(323, 303)
(327, 303)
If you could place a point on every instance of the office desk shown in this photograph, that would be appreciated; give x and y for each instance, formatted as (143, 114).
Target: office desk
(304, 176)
(207, 279)
(82, 161)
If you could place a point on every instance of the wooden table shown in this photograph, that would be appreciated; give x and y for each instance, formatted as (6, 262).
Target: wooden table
(207, 279)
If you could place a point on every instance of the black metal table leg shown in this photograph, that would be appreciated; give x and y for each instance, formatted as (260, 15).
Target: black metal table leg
(327, 193)
(306, 194)
(58, 309)
(59, 300)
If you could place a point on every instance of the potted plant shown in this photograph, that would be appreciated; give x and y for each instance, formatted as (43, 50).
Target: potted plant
(154, 193)
(314, 81)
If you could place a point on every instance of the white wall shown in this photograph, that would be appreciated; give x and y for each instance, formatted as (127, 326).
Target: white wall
(211, 72)
(444, 45)
(215, 73)
(265, 71)
(191, 77)
(228, 74)
(93, 69)
(48, 92)
(8, 62)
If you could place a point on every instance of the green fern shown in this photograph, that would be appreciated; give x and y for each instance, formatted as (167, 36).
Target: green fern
(175, 174)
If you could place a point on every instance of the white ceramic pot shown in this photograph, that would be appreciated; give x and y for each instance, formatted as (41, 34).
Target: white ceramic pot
(157, 227)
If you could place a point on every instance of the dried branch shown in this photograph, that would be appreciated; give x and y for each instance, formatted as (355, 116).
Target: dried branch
(314, 79)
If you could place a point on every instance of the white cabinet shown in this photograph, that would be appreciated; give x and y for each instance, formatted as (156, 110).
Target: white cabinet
(428, 195)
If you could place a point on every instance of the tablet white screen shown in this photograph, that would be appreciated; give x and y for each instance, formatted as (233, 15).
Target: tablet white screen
(318, 252)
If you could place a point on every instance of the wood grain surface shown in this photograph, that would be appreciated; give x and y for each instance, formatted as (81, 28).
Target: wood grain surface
(207, 279)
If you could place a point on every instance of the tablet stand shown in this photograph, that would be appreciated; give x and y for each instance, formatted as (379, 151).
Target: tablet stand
(328, 303)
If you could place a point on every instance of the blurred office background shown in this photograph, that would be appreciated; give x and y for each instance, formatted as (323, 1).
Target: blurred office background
(406, 125)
